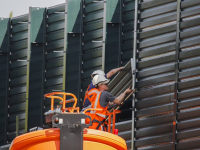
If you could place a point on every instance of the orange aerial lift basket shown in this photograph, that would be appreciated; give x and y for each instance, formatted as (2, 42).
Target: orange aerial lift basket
(70, 131)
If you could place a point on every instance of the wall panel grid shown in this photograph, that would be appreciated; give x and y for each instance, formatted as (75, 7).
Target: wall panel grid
(54, 51)
(167, 78)
(93, 40)
(57, 49)
(17, 74)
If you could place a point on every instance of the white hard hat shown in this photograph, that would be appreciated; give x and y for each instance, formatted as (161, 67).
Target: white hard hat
(97, 72)
(99, 79)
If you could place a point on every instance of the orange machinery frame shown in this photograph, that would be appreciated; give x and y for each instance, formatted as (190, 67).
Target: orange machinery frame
(54, 95)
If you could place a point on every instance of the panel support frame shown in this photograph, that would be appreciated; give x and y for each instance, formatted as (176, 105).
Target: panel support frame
(134, 61)
(104, 35)
(177, 50)
(65, 47)
(37, 19)
(28, 71)
(7, 25)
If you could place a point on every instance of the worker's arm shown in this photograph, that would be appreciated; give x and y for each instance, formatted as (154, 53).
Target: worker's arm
(113, 72)
(110, 103)
(120, 98)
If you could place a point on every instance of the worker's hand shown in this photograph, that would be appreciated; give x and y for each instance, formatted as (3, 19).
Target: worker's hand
(129, 90)
(120, 68)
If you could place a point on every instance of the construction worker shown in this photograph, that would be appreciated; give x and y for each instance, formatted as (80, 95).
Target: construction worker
(101, 100)
(91, 87)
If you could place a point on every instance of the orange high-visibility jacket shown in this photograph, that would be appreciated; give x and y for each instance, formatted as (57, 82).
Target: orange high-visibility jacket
(98, 117)
(89, 94)
(95, 103)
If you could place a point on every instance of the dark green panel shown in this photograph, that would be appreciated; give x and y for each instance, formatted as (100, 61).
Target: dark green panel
(18, 68)
(129, 7)
(17, 90)
(17, 108)
(37, 65)
(55, 27)
(92, 8)
(18, 81)
(21, 36)
(18, 19)
(52, 46)
(54, 53)
(55, 18)
(73, 58)
(4, 68)
(17, 73)
(113, 47)
(74, 16)
(113, 13)
(93, 17)
(37, 24)
(54, 64)
(18, 46)
(58, 8)
(94, 26)
(20, 28)
(4, 39)
(18, 99)
(55, 36)
(93, 35)
(20, 54)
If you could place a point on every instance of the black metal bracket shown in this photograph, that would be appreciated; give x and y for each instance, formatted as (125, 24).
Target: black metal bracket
(71, 129)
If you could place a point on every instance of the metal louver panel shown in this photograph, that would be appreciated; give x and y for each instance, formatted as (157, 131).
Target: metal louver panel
(73, 55)
(157, 73)
(36, 76)
(119, 84)
(93, 40)
(128, 16)
(57, 49)
(4, 77)
(113, 34)
(18, 75)
(54, 51)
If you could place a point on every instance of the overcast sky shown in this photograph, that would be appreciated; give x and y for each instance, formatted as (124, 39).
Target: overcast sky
(21, 7)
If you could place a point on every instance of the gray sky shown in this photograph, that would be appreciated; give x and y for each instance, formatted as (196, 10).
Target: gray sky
(21, 7)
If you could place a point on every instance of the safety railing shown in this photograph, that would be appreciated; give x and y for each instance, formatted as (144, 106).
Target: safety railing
(54, 95)
(109, 114)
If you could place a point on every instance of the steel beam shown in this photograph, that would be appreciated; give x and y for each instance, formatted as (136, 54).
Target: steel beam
(65, 46)
(174, 140)
(104, 35)
(133, 71)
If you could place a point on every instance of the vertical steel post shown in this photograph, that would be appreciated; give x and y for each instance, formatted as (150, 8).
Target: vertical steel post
(65, 48)
(134, 61)
(80, 56)
(176, 75)
(104, 36)
(17, 126)
(43, 66)
(28, 70)
(43, 76)
(7, 82)
(120, 37)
